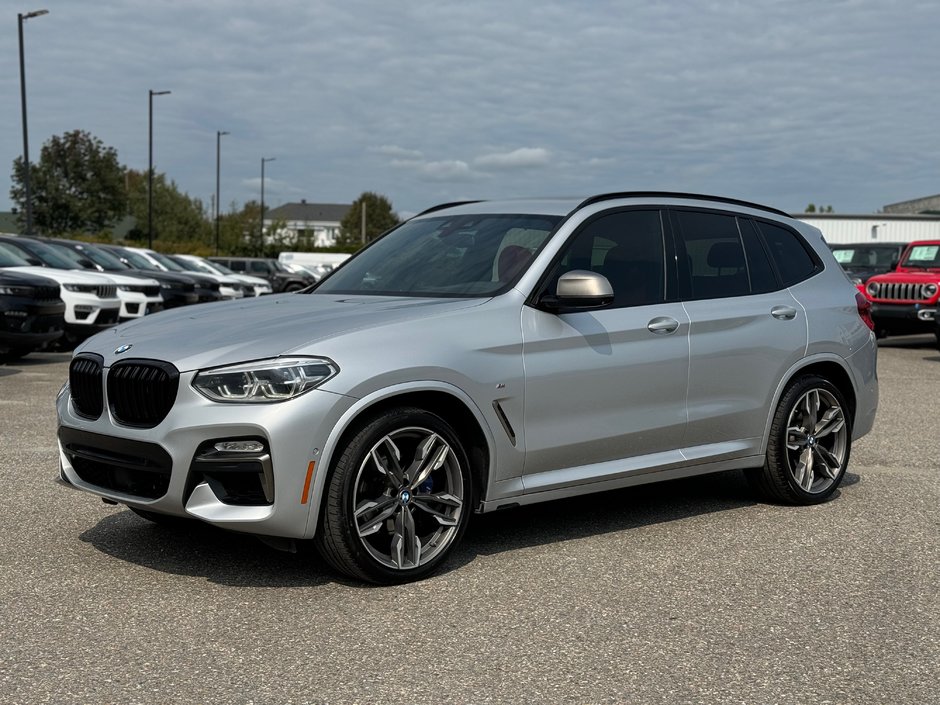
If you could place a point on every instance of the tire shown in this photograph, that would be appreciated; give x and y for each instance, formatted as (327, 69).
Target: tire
(805, 466)
(169, 520)
(398, 499)
(291, 288)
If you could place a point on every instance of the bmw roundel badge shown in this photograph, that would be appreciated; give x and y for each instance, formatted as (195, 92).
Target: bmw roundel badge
(123, 348)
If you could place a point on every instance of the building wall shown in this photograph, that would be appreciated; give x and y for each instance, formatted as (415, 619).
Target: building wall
(875, 228)
(918, 205)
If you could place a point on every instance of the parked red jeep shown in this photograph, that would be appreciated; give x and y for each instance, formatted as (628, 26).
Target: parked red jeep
(904, 301)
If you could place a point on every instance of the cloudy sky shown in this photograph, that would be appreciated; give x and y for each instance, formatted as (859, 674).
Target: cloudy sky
(784, 103)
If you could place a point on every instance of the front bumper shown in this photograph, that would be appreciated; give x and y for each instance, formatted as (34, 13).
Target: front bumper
(900, 319)
(28, 323)
(136, 305)
(157, 469)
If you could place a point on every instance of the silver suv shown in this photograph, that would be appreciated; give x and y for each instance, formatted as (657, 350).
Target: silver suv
(480, 356)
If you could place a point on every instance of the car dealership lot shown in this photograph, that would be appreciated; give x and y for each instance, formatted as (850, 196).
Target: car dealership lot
(683, 592)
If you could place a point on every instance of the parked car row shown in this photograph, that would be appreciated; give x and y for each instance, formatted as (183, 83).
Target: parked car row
(902, 282)
(60, 291)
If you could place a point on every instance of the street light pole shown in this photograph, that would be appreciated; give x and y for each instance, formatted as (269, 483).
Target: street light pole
(20, 18)
(218, 163)
(152, 93)
(263, 160)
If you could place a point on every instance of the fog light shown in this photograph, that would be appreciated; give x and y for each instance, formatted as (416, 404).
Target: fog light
(239, 446)
(84, 308)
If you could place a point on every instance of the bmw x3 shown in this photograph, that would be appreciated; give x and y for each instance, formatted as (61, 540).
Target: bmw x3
(481, 356)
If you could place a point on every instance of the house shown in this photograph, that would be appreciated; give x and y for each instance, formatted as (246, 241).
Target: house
(312, 224)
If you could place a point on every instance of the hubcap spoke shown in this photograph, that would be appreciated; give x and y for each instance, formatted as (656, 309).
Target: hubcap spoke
(804, 471)
(796, 438)
(429, 459)
(832, 421)
(445, 513)
(390, 465)
(811, 409)
(406, 546)
(830, 464)
(370, 515)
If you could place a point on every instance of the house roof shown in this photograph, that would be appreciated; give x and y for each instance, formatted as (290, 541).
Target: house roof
(319, 212)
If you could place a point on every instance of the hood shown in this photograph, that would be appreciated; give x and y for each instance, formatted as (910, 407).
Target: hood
(19, 278)
(227, 332)
(68, 276)
(131, 280)
(248, 279)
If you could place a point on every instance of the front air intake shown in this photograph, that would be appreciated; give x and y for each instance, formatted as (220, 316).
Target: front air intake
(85, 385)
(141, 392)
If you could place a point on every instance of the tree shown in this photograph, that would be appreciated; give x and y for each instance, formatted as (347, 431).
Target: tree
(811, 208)
(77, 185)
(379, 218)
(176, 216)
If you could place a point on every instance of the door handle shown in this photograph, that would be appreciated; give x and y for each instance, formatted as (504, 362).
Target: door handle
(662, 325)
(783, 313)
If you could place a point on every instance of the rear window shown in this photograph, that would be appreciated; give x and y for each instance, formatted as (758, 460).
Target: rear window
(794, 262)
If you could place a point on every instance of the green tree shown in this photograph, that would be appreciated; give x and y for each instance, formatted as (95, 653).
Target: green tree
(176, 216)
(77, 185)
(379, 218)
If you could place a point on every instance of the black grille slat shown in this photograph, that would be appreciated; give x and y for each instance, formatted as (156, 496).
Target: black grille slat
(130, 467)
(141, 392)
(899, 291)
(85, 385)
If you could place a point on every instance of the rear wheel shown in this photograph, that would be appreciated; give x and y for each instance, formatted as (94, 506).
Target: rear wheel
(809, 445)
(398, 499)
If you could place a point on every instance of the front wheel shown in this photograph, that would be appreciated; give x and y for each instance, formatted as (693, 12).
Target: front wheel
(810, 440)
(398, 499)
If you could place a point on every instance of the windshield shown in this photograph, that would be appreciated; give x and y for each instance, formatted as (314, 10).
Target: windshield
(102, 258)
(866, 256)
(11, 257)
(138, 261)
(459, 256)
(188, 265)
(215, 267)
(71, 255)
(166, 262)
(48, 256)
(926, 256)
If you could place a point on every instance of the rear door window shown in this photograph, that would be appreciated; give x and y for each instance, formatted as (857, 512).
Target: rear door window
(793, 260)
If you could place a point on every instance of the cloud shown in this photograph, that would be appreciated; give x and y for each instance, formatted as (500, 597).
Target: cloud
(391, 150)
(522, 158)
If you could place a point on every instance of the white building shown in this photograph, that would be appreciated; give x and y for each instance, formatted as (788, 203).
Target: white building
(308, 224)
(878, 227)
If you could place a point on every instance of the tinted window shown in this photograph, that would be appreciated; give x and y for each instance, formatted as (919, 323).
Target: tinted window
(714, 255)
(627, 248)
(760, 270)
(448, 255)
(259, 267)
(793, 262)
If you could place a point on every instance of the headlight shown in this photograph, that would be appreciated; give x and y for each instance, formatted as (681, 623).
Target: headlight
(265, 381)
(930, 290)
(16, 290)
(83, 288)
(872, 289)
(857, 281)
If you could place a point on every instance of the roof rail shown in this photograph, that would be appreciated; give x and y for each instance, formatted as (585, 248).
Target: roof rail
(670, 194)
(441, 206)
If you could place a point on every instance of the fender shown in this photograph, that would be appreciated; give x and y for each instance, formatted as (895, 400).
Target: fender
(788, 377)
(348, 418)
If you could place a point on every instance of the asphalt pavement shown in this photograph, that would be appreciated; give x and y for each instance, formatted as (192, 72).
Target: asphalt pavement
(684, 592)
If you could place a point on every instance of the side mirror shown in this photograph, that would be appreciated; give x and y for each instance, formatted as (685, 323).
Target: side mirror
(34, 261)
(580, 289)
(87, 263)
(894, 265)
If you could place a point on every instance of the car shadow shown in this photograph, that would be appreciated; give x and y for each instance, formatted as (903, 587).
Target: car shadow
(909, 341)
(240, 560)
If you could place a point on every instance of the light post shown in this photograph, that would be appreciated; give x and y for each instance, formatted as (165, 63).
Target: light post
(20, 17)
(150, 165)
(218, 163)
(263, 160)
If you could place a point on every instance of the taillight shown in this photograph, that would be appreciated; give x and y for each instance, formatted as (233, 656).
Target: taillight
(864, 310)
